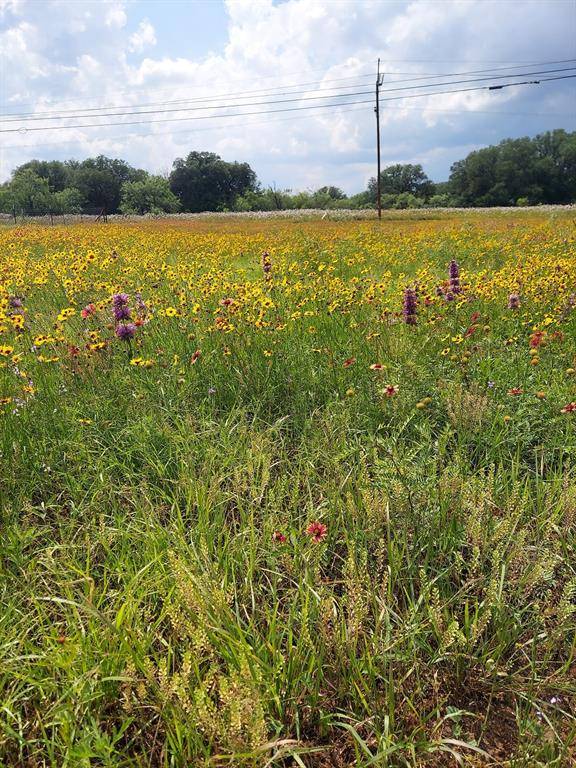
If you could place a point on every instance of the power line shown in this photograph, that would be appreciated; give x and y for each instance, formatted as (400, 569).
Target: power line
(285, 109)
(249, 123)
(479, 79)
(14, 117)
(256, 123)
(299, 98)
(196, 109)
(424, 76)
(171, 90)
(179, 119)
(517, 62)
(270, 91)
(460, 61)
(480, 88)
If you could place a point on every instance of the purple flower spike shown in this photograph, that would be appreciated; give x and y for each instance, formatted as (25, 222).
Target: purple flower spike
(120, 299)
(454, 275)
(409, 306)
(121, 312)
(125, 331)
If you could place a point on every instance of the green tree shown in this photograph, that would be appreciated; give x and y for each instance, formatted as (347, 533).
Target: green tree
(360, 200)
(327, 197)
(334, 193)
(100, 180)
(538, 170)
(398, 179)
(54, 171)
(5, 198)
(68, 200)
(28, 194)
(152, 195)
(204, 182)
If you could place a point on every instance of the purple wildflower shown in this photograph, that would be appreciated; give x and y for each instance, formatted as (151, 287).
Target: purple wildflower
(454, 274)
(120, 299)
(140, 305)
(125, 331)
(121, 312)
(266, 265)
(16, 302)
(409, 306)
(513, 301)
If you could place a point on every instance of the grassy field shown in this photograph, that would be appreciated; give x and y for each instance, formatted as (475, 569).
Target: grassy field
(289, 493)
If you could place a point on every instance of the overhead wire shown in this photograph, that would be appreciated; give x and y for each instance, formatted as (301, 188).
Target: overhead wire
(514, 63)
(76, 116)
(135, 107)
(360, 76)
(428, 76)
(284, 109)
(62, 113)
(257, 123)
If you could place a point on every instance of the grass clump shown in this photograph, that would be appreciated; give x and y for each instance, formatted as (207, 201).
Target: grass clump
(273, 523)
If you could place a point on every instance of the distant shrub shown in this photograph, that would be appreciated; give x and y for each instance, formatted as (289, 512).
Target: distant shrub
(152, 195)
(408, 200)
(441, 201)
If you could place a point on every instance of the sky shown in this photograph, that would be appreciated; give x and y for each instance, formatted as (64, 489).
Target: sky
(59, 58)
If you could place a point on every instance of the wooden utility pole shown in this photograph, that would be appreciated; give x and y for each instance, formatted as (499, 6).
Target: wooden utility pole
(379, 80)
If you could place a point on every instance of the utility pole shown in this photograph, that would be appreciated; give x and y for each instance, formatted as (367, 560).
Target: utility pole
(379, 80)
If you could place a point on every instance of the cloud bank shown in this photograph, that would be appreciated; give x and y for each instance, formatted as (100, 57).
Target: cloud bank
(58, 56)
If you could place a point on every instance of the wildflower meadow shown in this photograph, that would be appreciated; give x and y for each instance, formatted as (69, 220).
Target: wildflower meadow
(281, 492)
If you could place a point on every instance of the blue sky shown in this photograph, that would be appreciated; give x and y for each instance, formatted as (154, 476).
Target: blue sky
(63, 58)
(185, 29)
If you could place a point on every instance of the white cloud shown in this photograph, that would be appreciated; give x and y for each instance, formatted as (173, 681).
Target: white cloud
(143, 37)
(62, 54)
(9, 6)
(116, 16)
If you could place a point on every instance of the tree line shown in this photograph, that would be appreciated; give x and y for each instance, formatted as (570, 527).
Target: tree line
(525, 171)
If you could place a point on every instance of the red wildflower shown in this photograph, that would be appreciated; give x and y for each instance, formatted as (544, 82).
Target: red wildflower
(475, 316)
(226, 302)
(515, 391)
(88, 310)
(377, 367)
(536, 339)
(194, 357)
(317, 531)
(570, 408)
(279, 536)
(390, 390)
(347, 363)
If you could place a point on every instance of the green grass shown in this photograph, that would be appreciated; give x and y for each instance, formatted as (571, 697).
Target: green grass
(150, 618)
